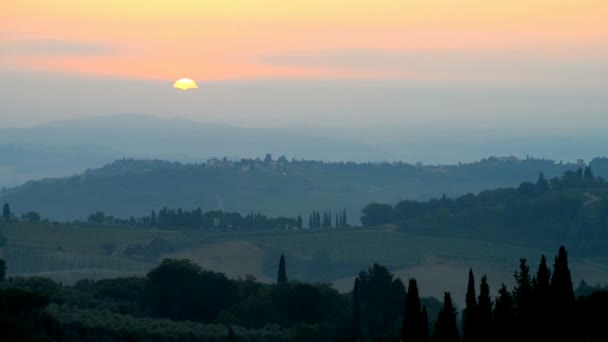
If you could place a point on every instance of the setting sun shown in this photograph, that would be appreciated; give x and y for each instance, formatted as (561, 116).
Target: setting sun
(185, 84)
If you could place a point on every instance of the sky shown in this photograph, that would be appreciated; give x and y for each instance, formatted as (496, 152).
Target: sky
(474, 63)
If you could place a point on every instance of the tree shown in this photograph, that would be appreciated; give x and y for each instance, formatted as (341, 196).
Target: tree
(268, 158)
(541, 300)
(344, 221)
(424, 325)
(383, 295)
(504, 316)
(561, 281)
(542, 185)
(376, 214)
(562, 297)
(484, 310)
(153, 219)
(470, 326)
(523, 286)
(523, 299)
(300, 223)
(411, 329)
(2, 270)
(282, 274)
(357, 331)
(6, 212)
(446, 329)
(588, 174)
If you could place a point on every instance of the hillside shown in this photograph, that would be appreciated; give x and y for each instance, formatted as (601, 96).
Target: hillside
(276, 187)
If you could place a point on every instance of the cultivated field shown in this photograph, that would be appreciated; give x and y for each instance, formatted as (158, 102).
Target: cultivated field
(71, 252)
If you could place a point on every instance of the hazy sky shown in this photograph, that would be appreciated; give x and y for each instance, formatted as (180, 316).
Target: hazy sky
(474, 63)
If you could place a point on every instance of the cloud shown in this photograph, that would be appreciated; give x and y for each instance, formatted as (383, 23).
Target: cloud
(28, 45)
(528, 67)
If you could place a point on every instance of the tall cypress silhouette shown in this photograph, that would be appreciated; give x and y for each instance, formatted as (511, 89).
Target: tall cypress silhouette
(282, 274)
(504, 316)
(411, 328)
(561, 281)
(484, 311)
(562, 297)
(446, 329)
(424, 325)
(470, 314)
(357, 331)
(6, 212)
(541, 300)
(522, 295)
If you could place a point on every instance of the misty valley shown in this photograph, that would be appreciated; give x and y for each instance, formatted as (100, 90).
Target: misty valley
(361, 256)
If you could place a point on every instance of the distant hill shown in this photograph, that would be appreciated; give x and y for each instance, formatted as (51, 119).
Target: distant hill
(62, 148)
(276, 187)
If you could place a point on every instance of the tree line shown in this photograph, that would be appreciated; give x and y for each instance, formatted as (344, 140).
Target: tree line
(541, 306)
(572, 207)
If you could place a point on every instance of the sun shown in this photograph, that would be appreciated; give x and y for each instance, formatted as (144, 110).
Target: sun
(185, 84)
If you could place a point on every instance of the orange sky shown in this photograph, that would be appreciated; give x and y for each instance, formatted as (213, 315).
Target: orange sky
(244, 39)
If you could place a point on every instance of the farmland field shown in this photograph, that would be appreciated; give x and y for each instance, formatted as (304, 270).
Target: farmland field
(68, 252)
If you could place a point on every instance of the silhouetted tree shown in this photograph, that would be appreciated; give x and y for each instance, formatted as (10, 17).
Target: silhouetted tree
(562, 297)
(588, 174)
(424, 325)
(282, 274)
(522, 295)
(470, 326)
(6, 212)
(541, 301)
(2, 270)
(542, 185)
(268, 158)
(446, 329)
(153, 218)
(484, 310)
(384, 294)
(411, 329)
(344, 221)
(504, 316)
(357, 330)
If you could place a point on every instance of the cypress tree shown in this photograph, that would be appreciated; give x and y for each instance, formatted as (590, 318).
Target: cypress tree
(562, 297)
(2, 270)
(542, 185)
(523, 300)
(561, 282)
(282, 275)
(357, 331)
(424, 325)
(504, 316)
(6, 212)
(446, 329)
(541, 292)
(470, 314)
(484, 311)
(153, 218)
(344, 222)
(411, 328)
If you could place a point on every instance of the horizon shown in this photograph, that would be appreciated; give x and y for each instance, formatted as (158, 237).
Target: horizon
(508, 67)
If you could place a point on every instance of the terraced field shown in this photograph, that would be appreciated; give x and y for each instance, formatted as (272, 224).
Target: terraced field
(395, 248)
